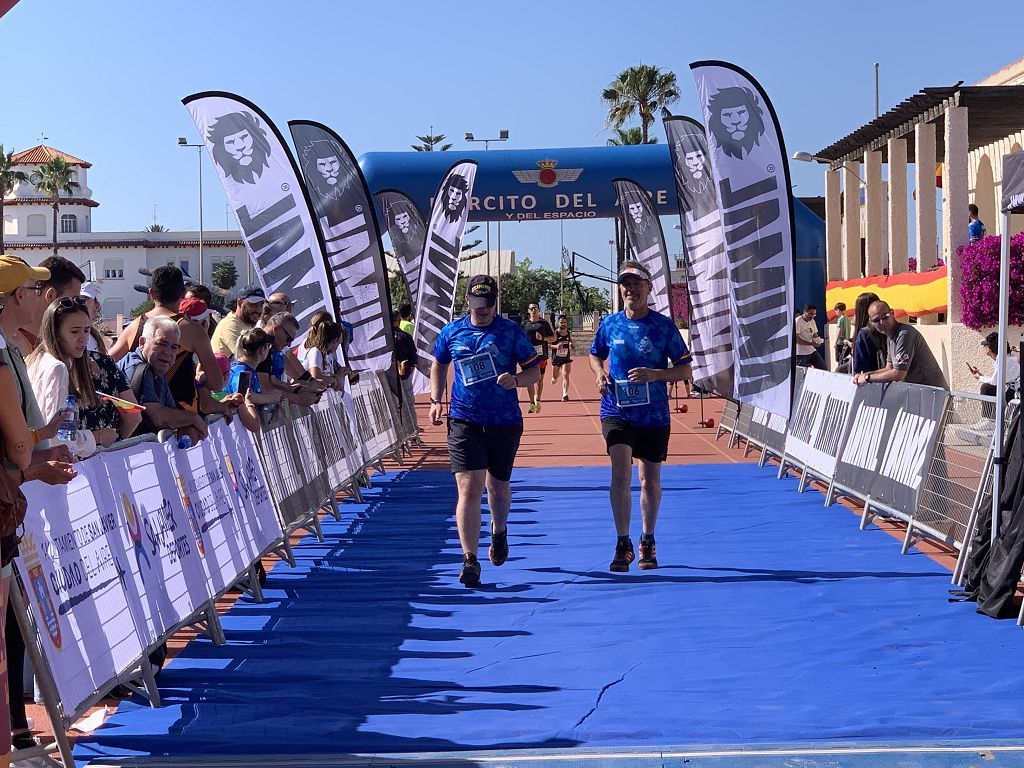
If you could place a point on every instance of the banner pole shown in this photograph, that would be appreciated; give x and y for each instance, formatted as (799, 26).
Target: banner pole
(1000, 377)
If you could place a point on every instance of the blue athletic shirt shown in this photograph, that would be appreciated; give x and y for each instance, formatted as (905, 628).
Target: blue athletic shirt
(480, 355)
(649, 342)
(235, 372)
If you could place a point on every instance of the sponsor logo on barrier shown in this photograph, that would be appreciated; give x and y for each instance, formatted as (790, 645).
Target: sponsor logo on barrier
(908, 448)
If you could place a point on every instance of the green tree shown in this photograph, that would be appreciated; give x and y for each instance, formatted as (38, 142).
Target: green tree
(431, 141)
(629, 136)
(156, 228)
(640, 91)
(9, 180)
(53, 177)
(143, 308)
(224, 275)
(526, 285)
(397, 289)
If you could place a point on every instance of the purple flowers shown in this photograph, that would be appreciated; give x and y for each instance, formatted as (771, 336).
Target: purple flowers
(680, 306)
(979, 286)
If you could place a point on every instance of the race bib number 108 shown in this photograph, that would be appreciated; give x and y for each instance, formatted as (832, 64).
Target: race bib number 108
(477, 368)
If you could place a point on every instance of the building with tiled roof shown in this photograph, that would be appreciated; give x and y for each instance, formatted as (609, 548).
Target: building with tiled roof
(112, 259)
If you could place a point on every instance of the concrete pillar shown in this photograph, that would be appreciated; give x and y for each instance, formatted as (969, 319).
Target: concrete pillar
(898, 240)
(851, 221)
(833, 226)
(874, 199)
(925, 227)
(954, 201)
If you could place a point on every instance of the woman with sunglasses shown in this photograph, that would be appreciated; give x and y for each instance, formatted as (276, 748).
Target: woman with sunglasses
(60, 367)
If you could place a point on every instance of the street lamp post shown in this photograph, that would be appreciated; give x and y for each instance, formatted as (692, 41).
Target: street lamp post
(183, 142)
(502, 136)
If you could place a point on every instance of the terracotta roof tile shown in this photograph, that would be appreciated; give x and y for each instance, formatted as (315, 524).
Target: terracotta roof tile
(42, 153)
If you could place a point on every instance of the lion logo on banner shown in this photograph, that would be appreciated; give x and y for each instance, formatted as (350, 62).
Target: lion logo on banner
(455, 199)
(736, 120)
(239, 146)
(321, 165)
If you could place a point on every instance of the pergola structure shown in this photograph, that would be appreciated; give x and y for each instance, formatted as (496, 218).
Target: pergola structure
(965, 128)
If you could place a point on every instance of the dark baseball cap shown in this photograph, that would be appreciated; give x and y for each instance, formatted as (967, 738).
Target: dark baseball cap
(481, 292)
(252, 294)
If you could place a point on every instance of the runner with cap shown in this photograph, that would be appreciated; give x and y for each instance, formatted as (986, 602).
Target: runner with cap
(539, 332)
(485, 422)
(630, 357)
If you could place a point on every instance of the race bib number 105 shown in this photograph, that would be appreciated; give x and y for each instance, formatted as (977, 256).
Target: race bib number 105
(477, 368)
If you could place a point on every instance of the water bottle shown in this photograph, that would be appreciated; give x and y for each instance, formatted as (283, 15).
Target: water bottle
(184, 442)
(68, 431)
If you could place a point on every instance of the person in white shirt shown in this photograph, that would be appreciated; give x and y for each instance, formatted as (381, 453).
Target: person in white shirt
(808, 340)
(1011, 374)
(59, 367)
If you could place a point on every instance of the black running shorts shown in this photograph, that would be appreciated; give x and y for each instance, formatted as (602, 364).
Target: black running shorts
(476, 446)
(648, 443)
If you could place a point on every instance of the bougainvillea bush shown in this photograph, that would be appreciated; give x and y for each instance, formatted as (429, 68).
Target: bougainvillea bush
(680, 306)
(979, 286)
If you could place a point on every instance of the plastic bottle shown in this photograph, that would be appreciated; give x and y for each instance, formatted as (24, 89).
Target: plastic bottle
(184, 442)
(68, 431)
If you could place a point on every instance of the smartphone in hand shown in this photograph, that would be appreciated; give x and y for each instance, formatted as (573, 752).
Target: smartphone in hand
(244, 382)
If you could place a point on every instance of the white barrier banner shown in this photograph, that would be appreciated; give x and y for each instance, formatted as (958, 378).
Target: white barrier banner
(210, 478)
(72, 561)
(819, 422)
(344, 459)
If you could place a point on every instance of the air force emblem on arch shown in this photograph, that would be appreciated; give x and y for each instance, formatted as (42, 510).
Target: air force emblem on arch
(547, 175)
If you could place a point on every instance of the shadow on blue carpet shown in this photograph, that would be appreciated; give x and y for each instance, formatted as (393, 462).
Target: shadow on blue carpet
(771, 620)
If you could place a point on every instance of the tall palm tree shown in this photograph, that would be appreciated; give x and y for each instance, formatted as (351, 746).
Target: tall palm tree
(642, 91)
(52, 178)
(9, 180)
(630, 136)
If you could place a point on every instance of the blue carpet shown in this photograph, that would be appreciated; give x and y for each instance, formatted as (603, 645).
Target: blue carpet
(771, 620)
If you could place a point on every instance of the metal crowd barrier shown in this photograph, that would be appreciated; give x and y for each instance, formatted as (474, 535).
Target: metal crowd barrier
(308, 456)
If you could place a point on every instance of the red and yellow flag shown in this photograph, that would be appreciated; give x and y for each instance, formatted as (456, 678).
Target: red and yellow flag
(910, 294)
(125, 406)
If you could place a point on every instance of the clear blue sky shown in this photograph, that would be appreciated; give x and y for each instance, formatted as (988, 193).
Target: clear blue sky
(103, 80)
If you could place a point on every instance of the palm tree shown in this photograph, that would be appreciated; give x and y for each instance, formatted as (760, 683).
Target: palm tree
(9, 180)
(53, 177)
(640, 90)
(629, 136)
(156, 228)
(431, 141)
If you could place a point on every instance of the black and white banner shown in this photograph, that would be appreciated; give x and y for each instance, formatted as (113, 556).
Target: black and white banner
(1013, 183)
(643, 229)
(439, 268)
(889, 442)
(262, 185)
(408, 232)
(707, 269)
(751, 172)
(819, 420)
(344, 214)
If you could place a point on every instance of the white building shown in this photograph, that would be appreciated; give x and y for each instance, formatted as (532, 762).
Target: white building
(111, 258)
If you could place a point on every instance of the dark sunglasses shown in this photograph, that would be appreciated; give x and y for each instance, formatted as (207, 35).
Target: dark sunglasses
(880, 318)
(38, 287)
(71, 302)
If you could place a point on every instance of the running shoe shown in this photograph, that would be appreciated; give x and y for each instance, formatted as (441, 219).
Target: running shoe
(498, 553)
(624, 555)
(565, 398)
(536, 406)
(648, 560)
(470, 571)
(533, 407)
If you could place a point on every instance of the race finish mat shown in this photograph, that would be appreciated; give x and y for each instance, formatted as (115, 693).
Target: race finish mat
(773, 634)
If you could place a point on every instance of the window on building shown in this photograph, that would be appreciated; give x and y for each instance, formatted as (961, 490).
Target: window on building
(113, 269)
(112, 307)
(36, 225)
(184, 267)
(68, 223)
(680, 262)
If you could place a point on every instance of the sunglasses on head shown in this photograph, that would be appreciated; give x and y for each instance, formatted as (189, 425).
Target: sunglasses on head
(71, 302)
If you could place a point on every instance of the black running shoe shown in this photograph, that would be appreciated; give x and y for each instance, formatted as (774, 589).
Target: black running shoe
(624, 555)
(648, 560)
(498, 553)
(470, 571)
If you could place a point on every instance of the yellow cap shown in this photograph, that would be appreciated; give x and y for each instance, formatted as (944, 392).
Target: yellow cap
(14, 272)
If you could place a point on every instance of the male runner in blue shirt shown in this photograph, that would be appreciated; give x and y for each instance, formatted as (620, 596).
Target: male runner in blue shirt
(637, 343)
(485, 422)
